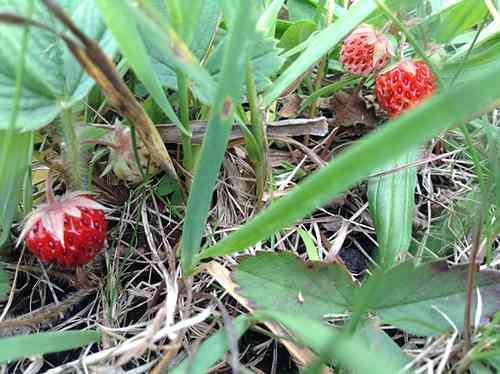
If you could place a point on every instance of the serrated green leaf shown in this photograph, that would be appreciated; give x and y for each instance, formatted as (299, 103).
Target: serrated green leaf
(212, 349)
(53, 78)
(391, 200)
(430, 292)
(18, 347)
(283, 282)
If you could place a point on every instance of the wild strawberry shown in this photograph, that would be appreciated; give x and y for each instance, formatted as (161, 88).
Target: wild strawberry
(404, 85)
(364, 50)
(68, 231)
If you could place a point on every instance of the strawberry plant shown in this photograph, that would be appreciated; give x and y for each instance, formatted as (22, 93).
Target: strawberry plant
(249, 186)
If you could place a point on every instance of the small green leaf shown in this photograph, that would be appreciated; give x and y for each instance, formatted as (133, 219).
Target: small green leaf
(212, 349)
(391, 200)
(299, 10)
(18, 347)
(311, 249)
(417, 299)
(283, 282)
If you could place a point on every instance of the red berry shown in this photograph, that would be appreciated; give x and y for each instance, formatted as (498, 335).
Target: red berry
(69, 231)
(364, 50)
(404, 85)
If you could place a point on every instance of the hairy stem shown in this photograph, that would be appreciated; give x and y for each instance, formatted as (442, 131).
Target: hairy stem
(259, 132)
(72, 152)
(187, 148)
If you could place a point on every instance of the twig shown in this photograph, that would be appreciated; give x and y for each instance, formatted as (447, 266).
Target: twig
(291, 127)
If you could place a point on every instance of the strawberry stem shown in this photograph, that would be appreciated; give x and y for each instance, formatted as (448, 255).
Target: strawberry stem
(51, 199)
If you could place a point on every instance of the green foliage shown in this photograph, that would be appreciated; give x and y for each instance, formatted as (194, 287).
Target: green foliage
(432, 300)
(212, 349)
(53, 78)
(44, 342)
(4, 284)
(391, 199)
(284, 283)
(219, 126)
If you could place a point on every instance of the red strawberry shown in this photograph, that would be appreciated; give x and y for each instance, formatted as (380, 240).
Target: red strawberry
(364, 51)
(404, 85)
(68, 231)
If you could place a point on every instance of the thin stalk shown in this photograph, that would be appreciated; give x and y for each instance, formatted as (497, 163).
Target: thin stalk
(259, 132)
(187, 147)
(471, 278)
(72, 151)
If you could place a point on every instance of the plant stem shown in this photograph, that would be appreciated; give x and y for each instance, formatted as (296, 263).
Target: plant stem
(187, 148)
(73, 162)
(470, 285)
(259, 132)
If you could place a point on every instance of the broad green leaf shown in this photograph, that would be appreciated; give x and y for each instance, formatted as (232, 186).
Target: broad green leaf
(53, 78)
(120, 20)
(400, 135)
(4, 284)
(283, 282)
(319, 46)
(212, 349)
(391, 199)
(353, 352)
(416, 299)
(219, 126)
(23, 346)
(167, 56)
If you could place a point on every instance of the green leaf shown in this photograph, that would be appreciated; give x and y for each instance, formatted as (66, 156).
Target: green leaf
(297, 33)
(219, 126)
(15, 163)
(18, 347)
(212, 349)
(319, 46)
(283, 282)
(353, 352)
(352, 165)
(162, 58)
(265, 59)
(456, 19)
(268, 19)
(311, 249)
(120, 20)
(184, 16)
(416, 298)
(299, 10)
(4, 284)
(391, 199)
(53, 78)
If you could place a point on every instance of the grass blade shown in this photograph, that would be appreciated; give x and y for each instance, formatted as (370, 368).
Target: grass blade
(118, 16)
(402, 134)
(44, 342)
(216, 138)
